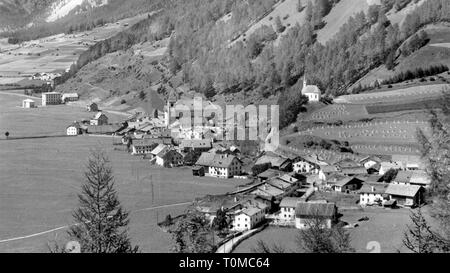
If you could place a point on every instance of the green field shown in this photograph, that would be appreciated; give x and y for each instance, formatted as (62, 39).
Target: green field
(40, 180)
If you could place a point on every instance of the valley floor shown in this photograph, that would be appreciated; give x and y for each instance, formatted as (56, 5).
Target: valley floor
(40, 180)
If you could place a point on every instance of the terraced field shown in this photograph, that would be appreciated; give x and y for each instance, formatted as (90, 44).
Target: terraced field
(389, 132)
(401, 95)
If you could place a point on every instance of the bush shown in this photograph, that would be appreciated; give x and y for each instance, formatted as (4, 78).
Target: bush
(123, 101)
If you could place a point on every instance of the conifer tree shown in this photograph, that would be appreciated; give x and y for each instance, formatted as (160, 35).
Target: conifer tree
(101, 221)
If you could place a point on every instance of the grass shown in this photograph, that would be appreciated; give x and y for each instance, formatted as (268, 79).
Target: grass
(40, 180)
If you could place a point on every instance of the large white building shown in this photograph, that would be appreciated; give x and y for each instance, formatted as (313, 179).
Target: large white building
(51, 98)
(311, 91)
(220, 165)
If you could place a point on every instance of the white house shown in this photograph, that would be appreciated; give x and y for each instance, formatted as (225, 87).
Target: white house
(373, 194)
(28, 103)
(287, 209)
(311, 91)
(220, 165)
(306, 211)
(248, 218)
(303, 165)
(51, 98)
(74, 129)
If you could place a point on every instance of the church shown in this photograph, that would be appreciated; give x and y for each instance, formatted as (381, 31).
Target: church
(311, 91)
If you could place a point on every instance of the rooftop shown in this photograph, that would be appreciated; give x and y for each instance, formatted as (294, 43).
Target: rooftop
(289, 202)
(403, 190)
(315, 209)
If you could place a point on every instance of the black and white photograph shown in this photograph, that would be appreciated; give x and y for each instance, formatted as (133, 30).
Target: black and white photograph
(224, 127)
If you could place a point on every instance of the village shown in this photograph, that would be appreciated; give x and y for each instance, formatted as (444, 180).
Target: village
(283, 190)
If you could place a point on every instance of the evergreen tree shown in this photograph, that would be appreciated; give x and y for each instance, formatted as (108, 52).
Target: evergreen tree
(317, 238)
(101, 221)
(419, 237)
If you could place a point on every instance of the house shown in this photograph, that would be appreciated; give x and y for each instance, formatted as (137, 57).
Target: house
(306, 211)
(67, 97)
(51, 98)
(303, 165)
(373, 194)
(276, 162)
(386, 166)
(347, 184)
(327, 171)
(74, 129)
(28, 103)
(201, 145)
(406, 195)
(248, 218)
(93, 107)
(287, 208)
(220, 165)
(165, 156)
(99, 119)
(311, 91)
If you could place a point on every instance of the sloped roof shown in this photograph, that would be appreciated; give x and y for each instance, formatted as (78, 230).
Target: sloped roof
(216, 160)
(315, 209)
(403, 190)
(346, 181)
(274, 160)
(403, 177)
(311, 89)
(375, 188)
(420, 177)
(160, 150)
(151, 141)
(289, 202)
(267, 190)
(281, 184)
(250, 211)
(98, 115)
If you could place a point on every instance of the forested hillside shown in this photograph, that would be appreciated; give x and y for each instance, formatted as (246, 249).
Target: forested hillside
(199, 46)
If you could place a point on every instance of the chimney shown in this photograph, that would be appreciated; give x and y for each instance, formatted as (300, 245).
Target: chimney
(373, 189)
(235, 199)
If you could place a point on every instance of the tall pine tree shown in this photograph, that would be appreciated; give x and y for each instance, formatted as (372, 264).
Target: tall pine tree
(101, 221)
